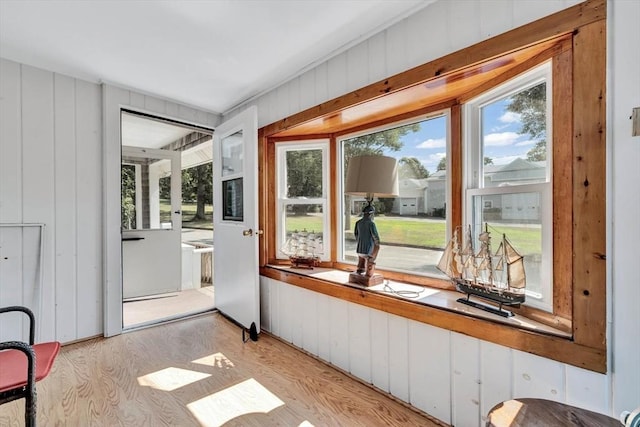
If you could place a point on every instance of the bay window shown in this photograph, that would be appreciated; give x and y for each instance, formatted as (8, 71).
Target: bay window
(508, 134)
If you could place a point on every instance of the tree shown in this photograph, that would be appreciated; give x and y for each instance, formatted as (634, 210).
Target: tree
(376, 143)
(410, 167)
(531, 104)
(197, 184)
(304, 176)
(128, 204)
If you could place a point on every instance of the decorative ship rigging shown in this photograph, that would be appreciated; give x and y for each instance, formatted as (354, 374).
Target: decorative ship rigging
(303, 248)
(497, 277)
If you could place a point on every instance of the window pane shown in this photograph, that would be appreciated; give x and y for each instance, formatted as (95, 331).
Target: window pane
(514, 133)
(232, 154)
(517, 215)
(412, 226)
(304, 173)
(303, 227)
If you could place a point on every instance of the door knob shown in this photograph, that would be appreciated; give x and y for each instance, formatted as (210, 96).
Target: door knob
(247, 232)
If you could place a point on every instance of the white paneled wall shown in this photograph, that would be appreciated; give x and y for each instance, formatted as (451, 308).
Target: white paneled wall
(50, 173)
(450, 376)
(52, 159)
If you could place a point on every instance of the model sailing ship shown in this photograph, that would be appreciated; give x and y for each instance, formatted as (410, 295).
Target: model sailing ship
(497, 277)
(303, 248)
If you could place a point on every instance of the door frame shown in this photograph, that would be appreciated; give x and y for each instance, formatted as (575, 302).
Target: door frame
(114, 100)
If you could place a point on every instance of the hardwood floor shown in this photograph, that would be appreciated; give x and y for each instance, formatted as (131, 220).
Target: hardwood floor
(198, 372)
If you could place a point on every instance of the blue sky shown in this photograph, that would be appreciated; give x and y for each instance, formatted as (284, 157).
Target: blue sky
(501, 139)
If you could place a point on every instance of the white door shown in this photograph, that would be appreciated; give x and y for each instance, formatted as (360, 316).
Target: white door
(235, 219)
(151, 229)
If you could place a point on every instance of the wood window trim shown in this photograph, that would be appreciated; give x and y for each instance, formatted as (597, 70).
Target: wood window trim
(582, 269)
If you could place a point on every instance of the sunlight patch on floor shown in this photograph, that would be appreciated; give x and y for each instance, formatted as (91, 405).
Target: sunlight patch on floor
(170, 379)
(243, 398)
(217, 360)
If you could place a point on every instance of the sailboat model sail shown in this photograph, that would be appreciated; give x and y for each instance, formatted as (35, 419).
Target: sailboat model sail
(498, 277)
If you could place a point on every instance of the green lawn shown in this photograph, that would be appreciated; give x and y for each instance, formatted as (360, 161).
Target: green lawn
(403, 231)
(188, 212)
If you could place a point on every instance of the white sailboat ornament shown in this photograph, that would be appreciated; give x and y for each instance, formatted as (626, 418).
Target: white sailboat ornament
(498, 277)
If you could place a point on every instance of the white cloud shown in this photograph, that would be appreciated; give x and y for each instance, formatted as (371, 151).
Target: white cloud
(432, 143)
(500, 139)
(527, 142)
(509, 117)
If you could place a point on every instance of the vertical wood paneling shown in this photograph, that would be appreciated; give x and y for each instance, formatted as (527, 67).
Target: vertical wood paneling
(464, 28)
(38, 186)
(281, 101)
(274, 290)
(89, 206)
(377, 59)
(13, 326)
(380, 349)
(337, 76)
(535, 376)
(494, 17)
(155, 104)
(465, 380)
(324, 332)
(586, 389)
(310, 321)
(396, 47)
(187, 114)
(171, 109)
(307, 89)
(10, 196)
(322, 82)
(430, 370)
(137, 100)
(297, 305)
(339, 332)
(65, 208)
(454, 378)
(359, 340)
(357, 61)
(285, 301)
(496, 375)
(398, 357)
(418, 36)
(294, 96)
(530, 10)
(436, 19)
(10, 144)
(265, 304)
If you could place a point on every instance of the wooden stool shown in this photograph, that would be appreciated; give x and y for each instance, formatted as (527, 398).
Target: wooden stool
(544, 413)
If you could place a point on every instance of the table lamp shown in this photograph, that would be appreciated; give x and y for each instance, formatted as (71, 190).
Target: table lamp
(369, 176)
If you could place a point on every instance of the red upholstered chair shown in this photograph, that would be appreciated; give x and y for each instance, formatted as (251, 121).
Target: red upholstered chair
(22, 365)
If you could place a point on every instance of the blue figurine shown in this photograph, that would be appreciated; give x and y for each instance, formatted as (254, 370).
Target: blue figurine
(368, 242)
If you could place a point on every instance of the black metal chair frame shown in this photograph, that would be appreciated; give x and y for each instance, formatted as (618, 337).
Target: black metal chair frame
(28, 391)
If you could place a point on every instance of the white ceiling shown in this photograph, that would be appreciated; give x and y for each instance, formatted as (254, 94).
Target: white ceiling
(211, 54)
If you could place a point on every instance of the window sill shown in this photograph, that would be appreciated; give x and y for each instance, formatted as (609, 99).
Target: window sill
(440, 308)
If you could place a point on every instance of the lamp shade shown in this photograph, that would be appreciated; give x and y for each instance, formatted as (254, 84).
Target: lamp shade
(372, 176)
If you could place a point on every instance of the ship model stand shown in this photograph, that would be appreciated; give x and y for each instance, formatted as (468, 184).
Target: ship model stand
(495, 277)
(302, 248)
